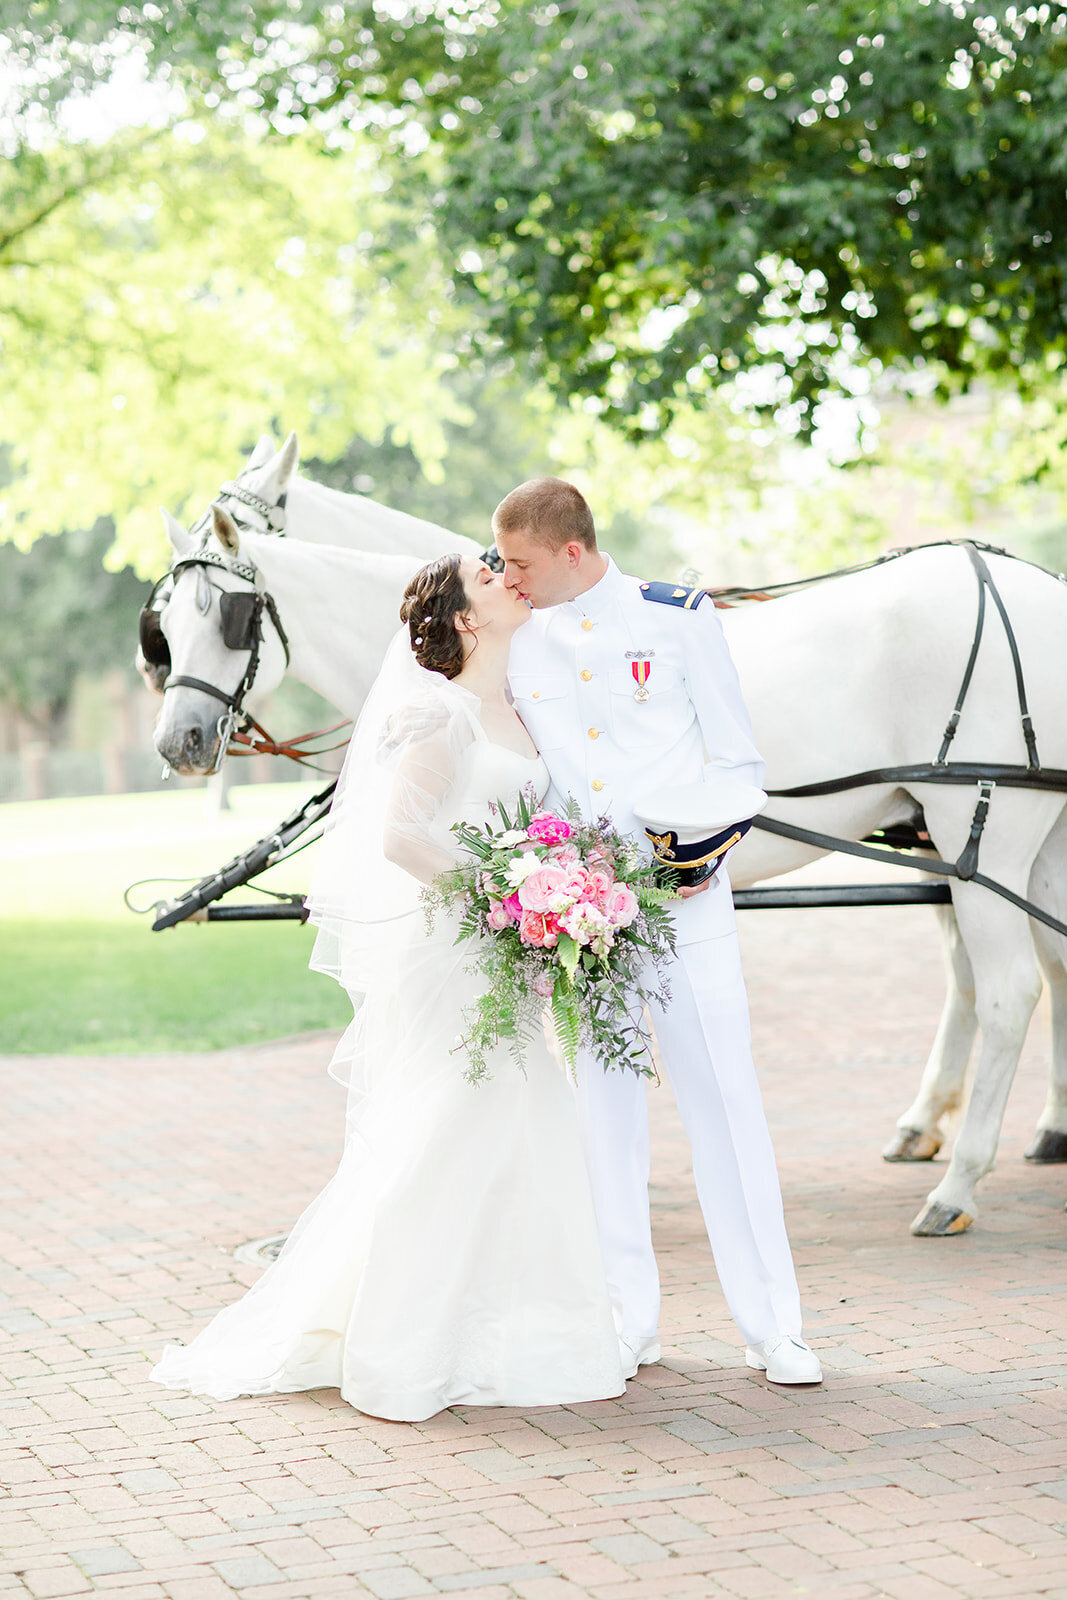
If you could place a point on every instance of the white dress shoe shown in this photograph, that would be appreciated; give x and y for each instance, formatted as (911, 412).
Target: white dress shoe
(634, 1353)
(784, 1359)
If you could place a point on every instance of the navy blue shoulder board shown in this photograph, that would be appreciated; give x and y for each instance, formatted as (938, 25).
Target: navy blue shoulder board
(673, 594)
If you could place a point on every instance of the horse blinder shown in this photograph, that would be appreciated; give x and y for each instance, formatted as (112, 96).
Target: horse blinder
(240, 616)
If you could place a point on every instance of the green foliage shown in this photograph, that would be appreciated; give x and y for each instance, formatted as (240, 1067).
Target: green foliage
(568, 1025)
(151, 327)
(796, 185)
(62, 614)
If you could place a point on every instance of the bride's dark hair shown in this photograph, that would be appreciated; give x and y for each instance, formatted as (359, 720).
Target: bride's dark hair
(432, 601)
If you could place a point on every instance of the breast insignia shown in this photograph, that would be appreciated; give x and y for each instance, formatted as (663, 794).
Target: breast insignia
(673, 594)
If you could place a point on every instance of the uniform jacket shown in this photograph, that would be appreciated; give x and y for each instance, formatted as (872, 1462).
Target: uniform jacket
(573, 680)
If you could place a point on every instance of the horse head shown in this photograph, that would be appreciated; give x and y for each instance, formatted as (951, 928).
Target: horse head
(211, 637)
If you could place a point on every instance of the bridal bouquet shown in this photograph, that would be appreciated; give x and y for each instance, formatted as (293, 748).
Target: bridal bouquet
(568, 914)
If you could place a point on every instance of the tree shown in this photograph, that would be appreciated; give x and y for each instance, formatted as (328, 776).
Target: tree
(60, 619)
(659, 198)
(167, 293)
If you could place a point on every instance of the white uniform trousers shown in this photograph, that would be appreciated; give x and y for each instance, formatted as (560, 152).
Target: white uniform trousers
(705, 1046)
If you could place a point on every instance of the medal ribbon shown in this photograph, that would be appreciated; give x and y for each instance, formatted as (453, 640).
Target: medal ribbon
(641, 670)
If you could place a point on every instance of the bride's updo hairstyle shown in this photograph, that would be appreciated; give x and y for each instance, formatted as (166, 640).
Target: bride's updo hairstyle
(432, 601)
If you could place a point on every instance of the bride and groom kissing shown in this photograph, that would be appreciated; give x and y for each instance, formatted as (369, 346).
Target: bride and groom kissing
(490, 1244)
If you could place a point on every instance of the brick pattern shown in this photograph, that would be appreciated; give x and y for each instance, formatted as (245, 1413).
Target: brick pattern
(930, 1466)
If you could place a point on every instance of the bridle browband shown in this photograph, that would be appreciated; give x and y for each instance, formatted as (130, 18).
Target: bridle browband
(273, 515)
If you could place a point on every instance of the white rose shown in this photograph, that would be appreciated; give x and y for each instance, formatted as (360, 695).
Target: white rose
(520, 867)
(513, 836)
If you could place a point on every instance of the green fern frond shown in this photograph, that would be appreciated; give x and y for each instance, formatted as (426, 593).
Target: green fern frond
(568, 1027)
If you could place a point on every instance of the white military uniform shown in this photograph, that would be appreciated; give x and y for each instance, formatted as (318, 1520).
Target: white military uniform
(624, 695)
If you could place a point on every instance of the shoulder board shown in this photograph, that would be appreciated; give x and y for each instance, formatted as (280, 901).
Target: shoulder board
(673, 594)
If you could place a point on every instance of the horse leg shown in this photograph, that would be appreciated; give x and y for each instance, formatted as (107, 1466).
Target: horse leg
(1048, 888)
(1007, 985)
(919, 1134)
(1049, 1143)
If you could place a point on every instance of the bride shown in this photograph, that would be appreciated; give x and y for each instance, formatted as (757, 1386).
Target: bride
(453, 1258)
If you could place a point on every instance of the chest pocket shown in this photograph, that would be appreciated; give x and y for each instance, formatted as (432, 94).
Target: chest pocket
(539, 698)
(659, 721)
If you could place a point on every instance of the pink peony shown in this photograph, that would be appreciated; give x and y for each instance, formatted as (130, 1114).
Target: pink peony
(537, 891)
(497, 916)
(544, 986)
(513, 907)
(571, 889)
(565, 855)
(547, 828)
(539, 928)
(621, 906)
(598, 889)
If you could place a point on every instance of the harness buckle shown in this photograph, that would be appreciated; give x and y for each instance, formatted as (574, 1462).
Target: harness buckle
(224, 732)
(967, 863)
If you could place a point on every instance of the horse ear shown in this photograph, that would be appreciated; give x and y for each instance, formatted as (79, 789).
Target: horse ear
(181, 541)
(225, 529)
(288, 459)
(262, 453)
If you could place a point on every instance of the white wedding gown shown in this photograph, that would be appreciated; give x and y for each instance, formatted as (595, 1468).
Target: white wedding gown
(453, 1258)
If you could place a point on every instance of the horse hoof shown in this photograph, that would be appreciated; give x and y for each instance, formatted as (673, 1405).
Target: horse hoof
(1048, 1146)
(911, 1144)
(937, 1221)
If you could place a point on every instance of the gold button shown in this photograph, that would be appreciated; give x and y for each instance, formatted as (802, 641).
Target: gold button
(536, 694)
(594, 733)
(586, 675)
(596, 784)
(587, 624)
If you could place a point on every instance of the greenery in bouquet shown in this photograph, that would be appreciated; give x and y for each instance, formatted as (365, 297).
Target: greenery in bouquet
(567, 914)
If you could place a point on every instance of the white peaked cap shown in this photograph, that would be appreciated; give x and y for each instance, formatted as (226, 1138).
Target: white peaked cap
(697, 811)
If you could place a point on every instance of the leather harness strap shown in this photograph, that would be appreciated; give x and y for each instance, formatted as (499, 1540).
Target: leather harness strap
(986, 774)
(931, 863)
(1053, 779)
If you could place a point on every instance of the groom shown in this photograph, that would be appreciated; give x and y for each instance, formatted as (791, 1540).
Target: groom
(627, 687)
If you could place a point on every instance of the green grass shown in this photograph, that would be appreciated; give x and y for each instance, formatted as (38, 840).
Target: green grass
(100, 988)
(79, 974)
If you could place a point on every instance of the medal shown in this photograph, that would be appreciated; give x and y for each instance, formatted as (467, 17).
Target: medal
(641, 666)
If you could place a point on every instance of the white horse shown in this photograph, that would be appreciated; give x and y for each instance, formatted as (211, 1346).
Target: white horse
(874, 663)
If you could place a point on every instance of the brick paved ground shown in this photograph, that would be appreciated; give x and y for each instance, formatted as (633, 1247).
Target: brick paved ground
(929, 1466)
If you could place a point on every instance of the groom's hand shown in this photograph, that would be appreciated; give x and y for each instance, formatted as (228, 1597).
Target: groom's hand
(694, 888)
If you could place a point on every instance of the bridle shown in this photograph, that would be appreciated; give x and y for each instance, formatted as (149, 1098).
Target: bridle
(242, 629)
(242, 614)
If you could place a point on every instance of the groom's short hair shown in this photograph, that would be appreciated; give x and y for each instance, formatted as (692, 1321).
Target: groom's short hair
(550, 510)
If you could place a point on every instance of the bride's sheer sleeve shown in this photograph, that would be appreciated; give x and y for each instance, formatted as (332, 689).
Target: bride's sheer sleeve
(387, 834)
(424, 746)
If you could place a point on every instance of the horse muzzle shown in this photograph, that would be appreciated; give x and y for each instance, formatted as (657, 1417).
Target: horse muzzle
(191, 749)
